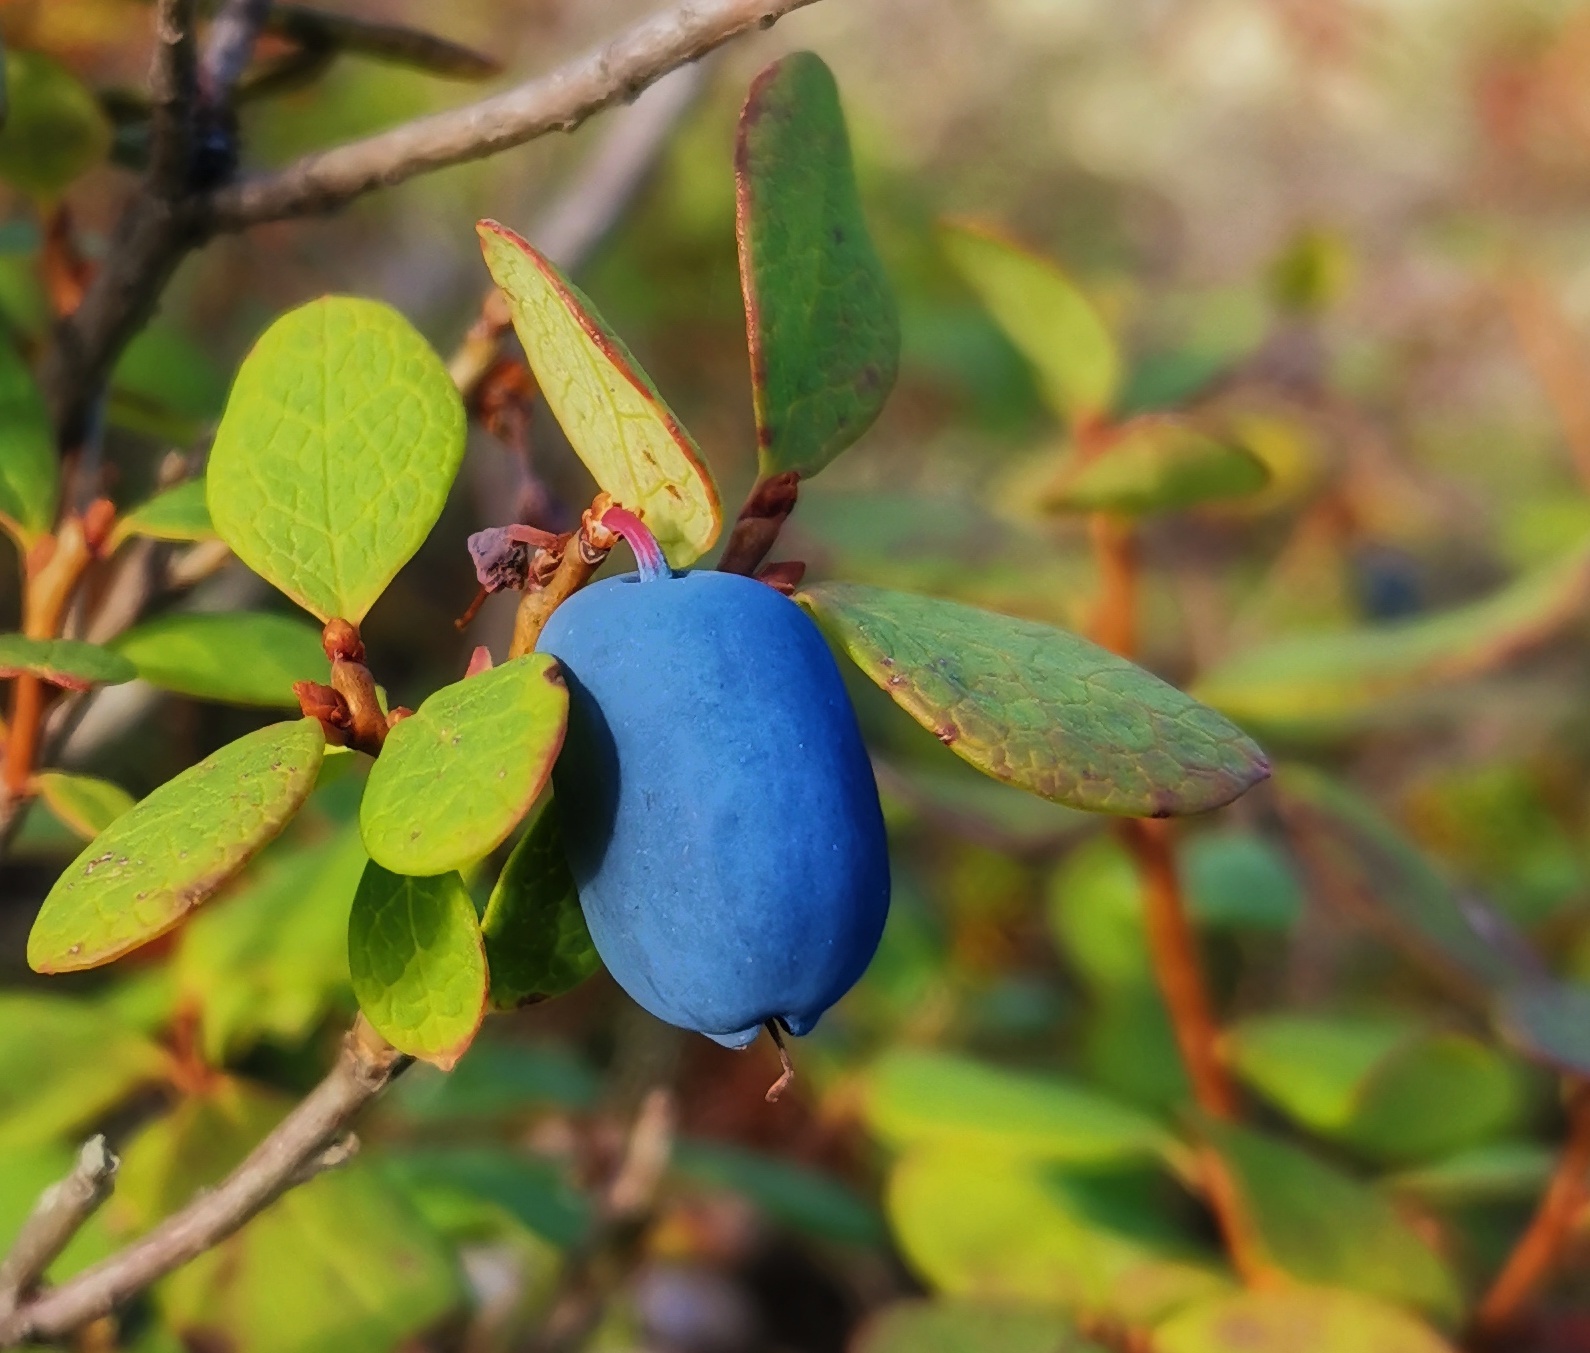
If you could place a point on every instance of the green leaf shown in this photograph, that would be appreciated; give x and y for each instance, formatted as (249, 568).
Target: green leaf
(1326, 683)
(30, 469)
(1038, 707)
(85, 804)
(1240, 880)
(608, 408)
(237, 657)
(161, 859)
(533, 1192)
(70, 663)
(794, 1195)
(964, 1327)
(993, 1228)
(914, 1096)
(63, 1064)
(1297, 1320)
(1046, 316)
(498, 1081)
(1157, 464)
(178, 513)
(455, 778)
(1346, 839)
(1390, 1087)
(1318, 1225)
(820, 317)
(270, 963)
(54, 129)
(339, 442)
(418, 964)
(537, 942)
(1549, 1022)
(342, 1264)
(1506, 1171)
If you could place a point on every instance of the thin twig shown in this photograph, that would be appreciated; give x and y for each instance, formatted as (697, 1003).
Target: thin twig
(172, 83)
(364, 1069)
(229, 48)
(56, 1218)
(556, 102)
(1540, 1247)
(319, 30)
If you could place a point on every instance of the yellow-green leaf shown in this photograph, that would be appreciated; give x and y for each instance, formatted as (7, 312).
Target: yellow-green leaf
(418, 963)
(969, 1327)
(1038, 707)
(341, 437)
(158, 861)
(1297, 1320)
(1044, 313)
(1158, 464)
(537, 942)
(240, 657)
(84, 803)
(178, 513)
(455, 778)
(608, 408)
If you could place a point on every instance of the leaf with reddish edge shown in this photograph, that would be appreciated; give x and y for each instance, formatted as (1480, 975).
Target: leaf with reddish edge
(820, 317)
(418, 962)
(1040, 708)
(70, 663)
(610, 411)
(159, 860)
(458, 775)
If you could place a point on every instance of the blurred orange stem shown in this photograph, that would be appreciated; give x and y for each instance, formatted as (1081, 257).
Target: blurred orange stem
(1541, 1245)
(1115, 613)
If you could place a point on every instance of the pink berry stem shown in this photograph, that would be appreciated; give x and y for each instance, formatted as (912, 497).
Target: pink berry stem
(648, 553)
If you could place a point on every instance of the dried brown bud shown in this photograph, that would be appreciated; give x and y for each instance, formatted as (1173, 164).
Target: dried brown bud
(340, 639)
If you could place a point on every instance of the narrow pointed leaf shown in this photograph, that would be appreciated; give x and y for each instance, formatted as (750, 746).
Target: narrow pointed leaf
(537, 942)
(157, 862)
(179, 513)
(417, 962)
(30, 469)
(1158, 465)
(1297, 1320)
(1549, 1022)
(85, 804)
(456, 777)
(1038, 707)
(54, 128)
(1315, 1224)
(71, 663)
(608, 408)
(340, 440)
(824, 333)
(239, 657)
(1330, 682)
(1045, 314)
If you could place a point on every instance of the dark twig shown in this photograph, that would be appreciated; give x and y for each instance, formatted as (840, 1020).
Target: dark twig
(229, 48)
(364, 1069)
(173, 83)
(56, 1218)
(320, 31)
(756, 529)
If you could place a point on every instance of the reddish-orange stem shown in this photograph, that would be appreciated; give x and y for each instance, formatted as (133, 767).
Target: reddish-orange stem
(1539, 1248)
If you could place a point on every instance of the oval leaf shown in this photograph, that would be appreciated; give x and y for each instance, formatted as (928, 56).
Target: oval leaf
(962, 1327)
(179, 513)
(71, 663)
(30, 470)
(85, 804)
(1158, 465)
(1299, 1320)
(537, 942)
(1038, 707)
(1549, 1022)
(240, 657)
(1046, 316)
(823, 329)
(1315, 1224)
(608, 408)
(417, 962)
(340, 440)
(160, 860)
(54, 128)
(458, 775)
